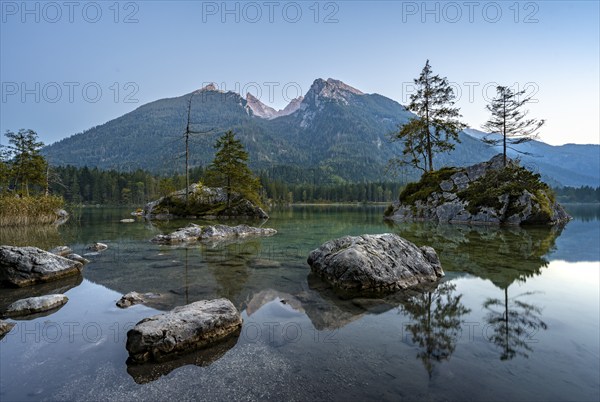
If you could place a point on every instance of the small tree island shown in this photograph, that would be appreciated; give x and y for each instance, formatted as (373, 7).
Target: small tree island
(231, 189)
(484, 193)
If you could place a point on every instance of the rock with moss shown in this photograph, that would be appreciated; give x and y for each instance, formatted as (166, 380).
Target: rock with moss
(203, 201)
(484, 193)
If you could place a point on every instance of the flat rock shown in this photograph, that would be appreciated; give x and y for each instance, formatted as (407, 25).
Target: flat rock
(34, 305)
(194, 232)
(382, 262)
(184, 329)
(10, 295)
(25, 266)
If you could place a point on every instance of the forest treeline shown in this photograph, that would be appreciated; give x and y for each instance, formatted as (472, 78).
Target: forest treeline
(110, 187)
(585, 194)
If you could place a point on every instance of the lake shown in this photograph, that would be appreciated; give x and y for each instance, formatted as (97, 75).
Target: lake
(515, 318)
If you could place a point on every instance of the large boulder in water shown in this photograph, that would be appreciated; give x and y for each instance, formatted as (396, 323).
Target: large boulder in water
(374, 263)
(184, 329)
(484, 193)
(24, 266)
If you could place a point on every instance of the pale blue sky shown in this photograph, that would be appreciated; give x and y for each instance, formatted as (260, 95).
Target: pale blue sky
(550, 48)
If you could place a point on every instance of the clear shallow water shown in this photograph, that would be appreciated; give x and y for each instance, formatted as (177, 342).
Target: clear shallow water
(299, 340)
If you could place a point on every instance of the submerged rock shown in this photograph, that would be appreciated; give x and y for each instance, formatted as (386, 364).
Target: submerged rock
(97, 247)
(91, 254)
(195, 232)
(25, 266)
(132, 298)
(182, 330)
(151, 371)
(484, 193)
(374, 263)
(5, 328)
(61, 250)
(34, 305)
(61, 286)
(77, 257)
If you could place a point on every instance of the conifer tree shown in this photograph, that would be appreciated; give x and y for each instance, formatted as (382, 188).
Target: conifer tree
(28, 165)
(509, 120)
(229, 169)
(436, 125)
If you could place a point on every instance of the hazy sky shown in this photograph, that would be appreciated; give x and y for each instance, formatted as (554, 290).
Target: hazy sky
(69, 66)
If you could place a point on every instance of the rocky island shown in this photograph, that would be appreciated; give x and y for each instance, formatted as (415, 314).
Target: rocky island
(203, 201)
(484, 193)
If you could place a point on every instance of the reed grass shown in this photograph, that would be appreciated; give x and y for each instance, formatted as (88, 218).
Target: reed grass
(32, 210)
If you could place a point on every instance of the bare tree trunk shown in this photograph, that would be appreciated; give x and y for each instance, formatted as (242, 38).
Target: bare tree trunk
(428, 136)
(47, 180)
(504, 132)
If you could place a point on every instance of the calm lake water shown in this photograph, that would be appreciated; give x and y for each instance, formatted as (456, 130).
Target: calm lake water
(515, 318)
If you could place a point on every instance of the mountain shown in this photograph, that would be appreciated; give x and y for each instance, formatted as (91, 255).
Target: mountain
(335, 133)
(566, 165)
(259, 109)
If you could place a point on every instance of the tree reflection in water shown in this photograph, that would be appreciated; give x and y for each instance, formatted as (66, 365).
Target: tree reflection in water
(436, 323)
(514, 324)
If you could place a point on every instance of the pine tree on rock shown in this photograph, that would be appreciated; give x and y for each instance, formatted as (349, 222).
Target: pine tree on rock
(436, 127)
(230, 170)
(509, 120)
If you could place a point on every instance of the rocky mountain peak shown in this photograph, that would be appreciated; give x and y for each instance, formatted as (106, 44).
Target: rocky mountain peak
(330, 89)
(210, 87)
(321, 92)
(259, 109)
(293, 105)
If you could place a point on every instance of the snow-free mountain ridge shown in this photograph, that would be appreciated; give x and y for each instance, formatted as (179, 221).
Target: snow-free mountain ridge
(334, 133)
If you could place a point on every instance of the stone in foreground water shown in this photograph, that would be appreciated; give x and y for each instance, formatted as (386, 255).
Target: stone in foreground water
(382, 262)
(182, 330)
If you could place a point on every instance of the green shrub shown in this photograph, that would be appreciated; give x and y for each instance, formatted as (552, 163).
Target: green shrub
(429, 183)
(511, 180)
